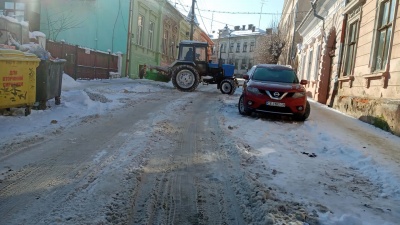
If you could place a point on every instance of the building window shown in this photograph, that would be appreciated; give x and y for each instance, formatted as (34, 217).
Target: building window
(243, 66)
(384, 34)
(251, 46)
(238, 47)
(351, 48)
(303, 64)
(140, 30)
(165, 42)
(245, 47)
(316, 66)
(172, 46)
(251, 63)
(15, 10)
(151, 35)
(231, 47)
(223, 47)
(310, 59)
(237, 64)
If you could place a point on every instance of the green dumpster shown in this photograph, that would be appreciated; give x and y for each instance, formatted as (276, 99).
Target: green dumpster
(49, 81)
(17, 79)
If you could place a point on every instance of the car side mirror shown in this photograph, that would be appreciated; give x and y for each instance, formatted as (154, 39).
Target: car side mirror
(303, 82)
(246, 77)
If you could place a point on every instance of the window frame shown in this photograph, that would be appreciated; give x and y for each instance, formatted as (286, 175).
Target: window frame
(238, 47)
(223, 49)
(388, 40)
(351, 46)
(303, 64)
(250, 63)
(150, 42)
(252, 45)
(317, 62)
(139, 40)
(18, 14)
(237, 64)
(244, 47)
(165, 42)
(310, 62)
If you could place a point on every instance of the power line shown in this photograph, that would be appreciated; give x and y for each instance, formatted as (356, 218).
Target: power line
(182, 5)
(245, 13)
(205, 27)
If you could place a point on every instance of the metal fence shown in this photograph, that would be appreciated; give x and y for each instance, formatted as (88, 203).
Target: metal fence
(83, 63)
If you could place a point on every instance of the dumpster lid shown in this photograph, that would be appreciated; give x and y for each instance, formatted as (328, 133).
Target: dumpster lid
(10, 54)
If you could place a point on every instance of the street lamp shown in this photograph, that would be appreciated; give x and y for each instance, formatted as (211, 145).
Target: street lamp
(229, 39)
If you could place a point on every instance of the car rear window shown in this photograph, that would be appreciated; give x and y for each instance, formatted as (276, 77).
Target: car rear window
(275, 75)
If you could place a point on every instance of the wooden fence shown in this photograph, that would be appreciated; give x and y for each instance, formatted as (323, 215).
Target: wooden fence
(83, 63)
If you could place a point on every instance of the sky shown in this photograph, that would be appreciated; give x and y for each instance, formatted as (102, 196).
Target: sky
(343, 159)
(271, 10)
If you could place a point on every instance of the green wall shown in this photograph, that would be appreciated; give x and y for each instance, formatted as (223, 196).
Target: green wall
(100, 24)
(141, 53)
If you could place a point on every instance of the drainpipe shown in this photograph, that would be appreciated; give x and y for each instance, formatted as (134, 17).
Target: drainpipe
(128, 45)
(314, 6)
(340, 59)
(291, 51)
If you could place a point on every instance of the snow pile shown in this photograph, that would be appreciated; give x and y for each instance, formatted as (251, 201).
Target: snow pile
(69, 83)
(324, 166)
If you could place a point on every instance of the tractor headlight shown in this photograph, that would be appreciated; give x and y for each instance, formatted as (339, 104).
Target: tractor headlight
(299, 94)
(252, 90)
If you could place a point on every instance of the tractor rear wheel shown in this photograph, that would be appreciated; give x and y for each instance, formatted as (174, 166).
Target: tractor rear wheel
(227, 86)
(185, 78)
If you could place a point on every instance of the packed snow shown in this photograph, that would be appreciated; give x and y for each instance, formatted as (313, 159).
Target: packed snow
(324, 164)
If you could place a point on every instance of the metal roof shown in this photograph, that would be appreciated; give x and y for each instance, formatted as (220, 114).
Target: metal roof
(189, 42)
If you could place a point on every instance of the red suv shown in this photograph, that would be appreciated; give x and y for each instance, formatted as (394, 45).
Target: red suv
(274, 89)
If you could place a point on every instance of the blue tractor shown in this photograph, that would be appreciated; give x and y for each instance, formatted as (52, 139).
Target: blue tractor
(193, 67)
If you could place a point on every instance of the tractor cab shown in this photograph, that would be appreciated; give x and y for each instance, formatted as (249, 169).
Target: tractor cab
(195, 53)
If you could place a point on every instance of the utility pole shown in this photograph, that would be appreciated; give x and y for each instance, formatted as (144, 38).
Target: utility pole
(128, 44)
(212, 20)
(262, 4)
(291, 51)
(192, 21)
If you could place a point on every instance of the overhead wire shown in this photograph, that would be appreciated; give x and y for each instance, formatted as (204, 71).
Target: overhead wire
(246, 13)
(205, 27)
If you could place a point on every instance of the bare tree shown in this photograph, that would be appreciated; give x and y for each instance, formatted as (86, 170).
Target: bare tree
(60, 21)
(271, 45)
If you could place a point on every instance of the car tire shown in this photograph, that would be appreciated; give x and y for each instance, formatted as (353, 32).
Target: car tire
(227, 86)
(305, 115)
(243, 110)
(185, 78)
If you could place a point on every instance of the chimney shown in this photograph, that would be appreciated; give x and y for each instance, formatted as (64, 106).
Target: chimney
(250, 27)
(237, 27)
(243, 27)
(253, 28)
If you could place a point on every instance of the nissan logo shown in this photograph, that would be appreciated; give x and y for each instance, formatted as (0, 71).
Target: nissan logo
(276, 94)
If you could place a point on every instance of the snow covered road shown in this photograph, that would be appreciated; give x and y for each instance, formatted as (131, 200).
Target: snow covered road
(140, 152)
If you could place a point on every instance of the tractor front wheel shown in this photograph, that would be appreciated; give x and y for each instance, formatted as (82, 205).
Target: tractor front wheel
(185, 78)
(227, 86)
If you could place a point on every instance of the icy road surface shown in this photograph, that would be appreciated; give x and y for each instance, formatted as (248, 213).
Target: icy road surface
(140, 152)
